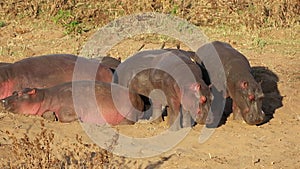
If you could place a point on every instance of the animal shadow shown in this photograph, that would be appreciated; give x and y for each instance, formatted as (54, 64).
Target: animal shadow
(269, 83)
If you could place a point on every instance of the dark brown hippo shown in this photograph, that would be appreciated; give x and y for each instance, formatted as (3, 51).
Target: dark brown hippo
(89, 101)
(111, 62)
(49, 70)
(170, 79)
(4, 63)
(245, 92)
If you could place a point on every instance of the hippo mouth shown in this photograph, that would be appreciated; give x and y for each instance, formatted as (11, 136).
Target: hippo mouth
(202, 117)
(6, 106)
(254, 119)
(2, 107)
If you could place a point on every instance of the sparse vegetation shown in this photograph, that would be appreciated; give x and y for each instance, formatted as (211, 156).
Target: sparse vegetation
(42, 152)
(69, 22)
(2, 24)
(251, 14)
(259, 42)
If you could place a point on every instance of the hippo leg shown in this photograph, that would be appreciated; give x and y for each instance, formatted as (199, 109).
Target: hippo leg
(66, 115)
(186, 118)
(50, 116)
(237, 115)
(174, 115)
(158, 99)
(156, 113)
(133, 116)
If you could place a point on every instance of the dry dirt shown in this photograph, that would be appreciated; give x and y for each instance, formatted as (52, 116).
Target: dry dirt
(32, 142)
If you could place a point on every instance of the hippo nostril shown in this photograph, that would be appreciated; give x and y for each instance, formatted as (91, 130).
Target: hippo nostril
(250, 116)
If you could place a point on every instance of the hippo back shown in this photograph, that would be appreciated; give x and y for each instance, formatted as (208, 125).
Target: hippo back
(171, 61)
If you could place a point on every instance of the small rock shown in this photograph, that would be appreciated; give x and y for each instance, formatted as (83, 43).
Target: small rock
(256, 161)
(298, 117)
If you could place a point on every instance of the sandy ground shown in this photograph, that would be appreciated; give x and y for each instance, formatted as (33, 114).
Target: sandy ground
(32, 142)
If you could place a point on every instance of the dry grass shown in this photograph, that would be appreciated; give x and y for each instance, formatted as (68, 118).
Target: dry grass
(83, 15)
(42, 152)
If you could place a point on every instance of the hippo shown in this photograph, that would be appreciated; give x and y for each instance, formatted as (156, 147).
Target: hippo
(49, 70)
(4, 63)
(170, 79)
(241, 87)
(73, 100)
(111, 62)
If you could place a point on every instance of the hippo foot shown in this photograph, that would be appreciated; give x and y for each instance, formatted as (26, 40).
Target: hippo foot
(156, 117)
(205, 119)
(156, 121)
(187, 120)
(191, 123)
(201, 121)
(50, 116)
(174, 126)
(126, 122)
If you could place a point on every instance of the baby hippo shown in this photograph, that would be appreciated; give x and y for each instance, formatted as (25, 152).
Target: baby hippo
(89, 101)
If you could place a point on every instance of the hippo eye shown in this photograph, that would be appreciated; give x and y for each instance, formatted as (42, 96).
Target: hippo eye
(203, 99)
(251, 97)
(15, 93)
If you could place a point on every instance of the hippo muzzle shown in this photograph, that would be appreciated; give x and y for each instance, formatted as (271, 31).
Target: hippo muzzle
(5, 104)
(9, 103)
(253, 118)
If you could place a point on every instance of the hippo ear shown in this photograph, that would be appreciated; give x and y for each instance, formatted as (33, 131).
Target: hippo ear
(32, 92)
(195, 86)
(244, 84)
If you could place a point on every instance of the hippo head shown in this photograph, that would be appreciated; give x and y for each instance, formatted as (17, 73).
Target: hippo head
(196, 99)
(26, 101)
(248, 98)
